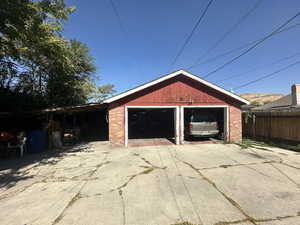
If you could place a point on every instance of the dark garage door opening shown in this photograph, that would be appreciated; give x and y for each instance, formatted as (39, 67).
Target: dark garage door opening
(93, 125)
(151, 123)
(202, 124)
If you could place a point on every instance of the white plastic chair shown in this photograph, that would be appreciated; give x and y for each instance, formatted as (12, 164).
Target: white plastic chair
(20, 145)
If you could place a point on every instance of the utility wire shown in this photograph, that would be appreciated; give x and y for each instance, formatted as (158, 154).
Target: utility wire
(268, 75)
(239, 48)
(187, 40)
(253, 46)
(117, 14)
(231, 29)
(258, 68)
(124, 31)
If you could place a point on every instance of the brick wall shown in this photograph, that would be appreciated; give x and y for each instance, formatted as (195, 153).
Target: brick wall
(116, 125)
(235, 124)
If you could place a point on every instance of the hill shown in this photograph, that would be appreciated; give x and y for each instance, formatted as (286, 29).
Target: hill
(261, 98)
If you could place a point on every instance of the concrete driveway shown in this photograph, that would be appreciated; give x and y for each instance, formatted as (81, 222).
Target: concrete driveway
(209, 184)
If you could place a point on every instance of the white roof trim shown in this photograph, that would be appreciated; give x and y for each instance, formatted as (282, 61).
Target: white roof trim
(171, 75)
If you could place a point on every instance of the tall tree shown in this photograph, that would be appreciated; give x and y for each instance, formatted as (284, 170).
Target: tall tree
(98, 93)
(31, 43)
(36, 62)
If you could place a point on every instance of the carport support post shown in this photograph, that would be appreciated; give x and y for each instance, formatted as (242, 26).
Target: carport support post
(181, 125)
(226, 124)
(177, 125)
(126, 126)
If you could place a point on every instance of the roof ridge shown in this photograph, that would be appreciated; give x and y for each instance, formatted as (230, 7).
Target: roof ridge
(171, 75)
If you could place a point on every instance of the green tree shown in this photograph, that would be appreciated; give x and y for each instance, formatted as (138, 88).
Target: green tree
(31, 42)
(98, 93)
(103, 92)
(70, 80)
(36, 62)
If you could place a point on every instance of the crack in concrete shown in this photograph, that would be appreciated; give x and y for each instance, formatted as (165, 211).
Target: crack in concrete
(144, 172)
(146, 160)
(184, 223)
(38, 166)
(123, 206)
(285, 175)
(248, 165)
(233, 202)
(235, 165)
(231, 222)
(169, 184)
(185, 186)
(148, 169)
(78, 195)
(13, 193)
(99, 166)
(52, 178)
(278, 218)
(73, 200)
(284, 163)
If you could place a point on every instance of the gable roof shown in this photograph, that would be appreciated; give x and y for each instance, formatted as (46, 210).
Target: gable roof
(171, 75)
(285, 101)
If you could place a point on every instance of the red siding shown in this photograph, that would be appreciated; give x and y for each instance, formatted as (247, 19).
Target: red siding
(180, 90)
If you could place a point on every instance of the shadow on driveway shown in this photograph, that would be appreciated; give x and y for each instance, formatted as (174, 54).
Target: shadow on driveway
(13, 170)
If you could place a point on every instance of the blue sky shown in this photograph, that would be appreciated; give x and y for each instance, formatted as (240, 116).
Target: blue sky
(155, 30)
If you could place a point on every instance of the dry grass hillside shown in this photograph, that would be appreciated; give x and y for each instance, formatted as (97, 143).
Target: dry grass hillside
(260, 98)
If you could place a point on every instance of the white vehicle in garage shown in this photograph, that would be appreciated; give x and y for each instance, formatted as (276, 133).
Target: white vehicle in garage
(202, 125)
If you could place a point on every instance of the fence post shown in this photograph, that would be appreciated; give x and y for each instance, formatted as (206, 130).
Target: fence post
(254, 126)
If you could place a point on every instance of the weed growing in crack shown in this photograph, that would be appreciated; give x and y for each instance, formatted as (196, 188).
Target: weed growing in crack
(249, 143)
(234, 203)
(73, 200)
(231, 222)
(225, 166)
(184, 223)
(123, 206)
(144, 172)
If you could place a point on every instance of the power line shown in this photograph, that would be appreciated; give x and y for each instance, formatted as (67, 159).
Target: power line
(252, 47)
(255, 69)
(268, 75)
(191, 34)
(231, 29)
(125, 34)
(239, 48)
(117, 14)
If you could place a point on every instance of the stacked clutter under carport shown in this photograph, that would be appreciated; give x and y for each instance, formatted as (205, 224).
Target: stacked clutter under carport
(52, 128)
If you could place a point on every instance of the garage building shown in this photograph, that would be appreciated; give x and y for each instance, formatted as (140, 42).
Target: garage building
(162, 107)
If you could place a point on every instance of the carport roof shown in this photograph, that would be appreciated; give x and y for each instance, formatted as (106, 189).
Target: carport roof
(171, 75)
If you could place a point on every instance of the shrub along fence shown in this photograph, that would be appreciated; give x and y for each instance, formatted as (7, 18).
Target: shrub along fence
(272, 126)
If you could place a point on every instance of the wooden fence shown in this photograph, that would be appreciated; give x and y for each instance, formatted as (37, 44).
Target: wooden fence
(281, 126)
